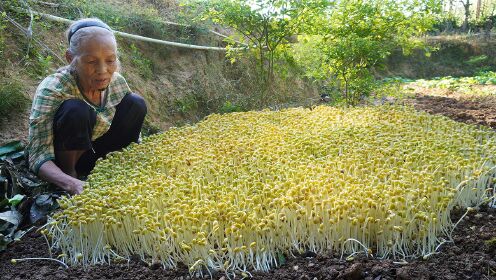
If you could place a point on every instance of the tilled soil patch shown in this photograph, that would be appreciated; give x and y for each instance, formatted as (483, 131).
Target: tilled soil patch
(479, 110)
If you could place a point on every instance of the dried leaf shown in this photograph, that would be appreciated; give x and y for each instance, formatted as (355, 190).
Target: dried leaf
(13, 217)
(43, 205)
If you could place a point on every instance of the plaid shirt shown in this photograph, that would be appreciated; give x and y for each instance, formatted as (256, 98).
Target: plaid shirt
(50, 94)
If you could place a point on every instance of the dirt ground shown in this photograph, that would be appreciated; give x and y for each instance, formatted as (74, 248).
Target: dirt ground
(472, 109)
(14, 128)
(471, 255)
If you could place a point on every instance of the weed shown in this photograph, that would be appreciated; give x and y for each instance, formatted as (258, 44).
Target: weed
(44, 64)
(186, 104)
(149, 128)
(491, 242)
(37, 64)
(3, 26)
(391, 88)
(12, 99)
(137, 17)
(229, 107)
(143, 64)
(477, 60)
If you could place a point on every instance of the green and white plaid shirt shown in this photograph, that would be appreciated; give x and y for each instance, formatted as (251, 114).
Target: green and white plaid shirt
(50, 94)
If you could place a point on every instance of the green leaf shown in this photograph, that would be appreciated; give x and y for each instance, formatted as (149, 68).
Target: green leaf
(281, 258)
(14, 156)
(10, 147)
(3, 242)
(14, 201)
(4, 202)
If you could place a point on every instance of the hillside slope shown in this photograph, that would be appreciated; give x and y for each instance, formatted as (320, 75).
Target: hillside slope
(180, 85)
(183, 85)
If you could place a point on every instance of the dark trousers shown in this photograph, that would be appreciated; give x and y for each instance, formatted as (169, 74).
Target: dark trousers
(73, 126)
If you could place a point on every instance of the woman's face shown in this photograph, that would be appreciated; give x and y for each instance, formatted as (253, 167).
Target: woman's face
(97, 62)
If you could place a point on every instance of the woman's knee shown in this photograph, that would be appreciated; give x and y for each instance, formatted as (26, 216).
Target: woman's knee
(72, 126)
(73, 112)
(135, 104)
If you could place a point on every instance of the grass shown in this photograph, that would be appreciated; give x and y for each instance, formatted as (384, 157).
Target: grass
(143, 65)
(138, 17)
(12, 99)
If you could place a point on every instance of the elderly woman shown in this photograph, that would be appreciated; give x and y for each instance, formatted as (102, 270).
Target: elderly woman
(83, 111)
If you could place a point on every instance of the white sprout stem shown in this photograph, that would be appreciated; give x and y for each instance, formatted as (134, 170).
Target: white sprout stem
(396, 214)
(459, 220)
(48, 244)
(366, 249)
(42, 259)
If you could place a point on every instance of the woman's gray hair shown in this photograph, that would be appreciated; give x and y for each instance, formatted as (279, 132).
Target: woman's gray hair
(77, 37)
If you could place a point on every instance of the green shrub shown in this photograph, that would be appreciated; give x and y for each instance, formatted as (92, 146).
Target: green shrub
(186, 104)
(477, 60)
(12, 99)
(229, 107)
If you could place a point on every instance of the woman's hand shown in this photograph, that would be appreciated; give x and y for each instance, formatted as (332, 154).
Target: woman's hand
(51, 173)
(74, 187)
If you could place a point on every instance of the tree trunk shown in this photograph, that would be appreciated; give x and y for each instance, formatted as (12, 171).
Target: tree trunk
(346, 89)
(478, 9)
(271, 66)
(466, 6)
(262, 59)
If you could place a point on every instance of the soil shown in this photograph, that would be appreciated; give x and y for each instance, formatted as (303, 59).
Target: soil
(471, 255)
(14, 128)
(472, 109)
